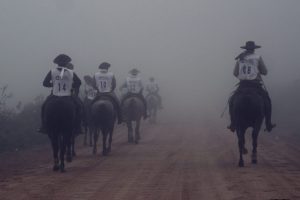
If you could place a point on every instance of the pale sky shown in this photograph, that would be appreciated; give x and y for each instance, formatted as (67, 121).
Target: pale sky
(189, 46)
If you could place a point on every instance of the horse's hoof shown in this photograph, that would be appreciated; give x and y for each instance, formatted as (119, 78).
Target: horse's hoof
(241, 164)
(104, 153)
(55, 168)
(254, 161)
(73, 154)
(69, 158)
(245, 151)
(62, 169)
(136, 141)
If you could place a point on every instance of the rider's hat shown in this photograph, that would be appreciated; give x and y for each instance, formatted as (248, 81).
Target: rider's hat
(134, 71)
(62, 60)
(104, 65)
(250, 45)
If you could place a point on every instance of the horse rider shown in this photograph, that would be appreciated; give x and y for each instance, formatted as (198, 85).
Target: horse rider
(248, 69)
(105, 83)
(153, 89)
(134, 87)
(62, 81)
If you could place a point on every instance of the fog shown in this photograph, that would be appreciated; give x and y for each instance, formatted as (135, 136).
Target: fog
(188, 46)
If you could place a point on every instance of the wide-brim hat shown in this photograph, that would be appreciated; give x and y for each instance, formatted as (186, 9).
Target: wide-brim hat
(104, 65)
(70, 66)
(250, 45)
(62, 60)
(134, 71)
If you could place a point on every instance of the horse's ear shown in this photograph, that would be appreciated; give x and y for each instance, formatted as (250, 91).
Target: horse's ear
(88, 79)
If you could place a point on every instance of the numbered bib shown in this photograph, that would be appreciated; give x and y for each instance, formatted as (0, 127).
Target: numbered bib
(248, 68)
(62, 81)
(104, 81)
(134, 85)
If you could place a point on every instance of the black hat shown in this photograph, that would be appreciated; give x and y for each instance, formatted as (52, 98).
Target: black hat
(134, 71)
(250, 45)
(104, 65)
(62, 60)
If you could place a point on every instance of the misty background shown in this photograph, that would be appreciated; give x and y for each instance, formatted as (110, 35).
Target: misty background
(188, 46)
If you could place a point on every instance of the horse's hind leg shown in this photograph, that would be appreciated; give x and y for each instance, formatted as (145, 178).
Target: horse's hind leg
(55, 146)
(64, 141)
(104, 138)
(137, 131)
(254, 145)
(241, 139)
(69, 150)
(110, 139)
(96, 134)
(130, 132)
(91, 137)
(73, 146)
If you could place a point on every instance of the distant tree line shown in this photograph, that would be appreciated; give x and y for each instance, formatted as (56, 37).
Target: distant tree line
(18, 125)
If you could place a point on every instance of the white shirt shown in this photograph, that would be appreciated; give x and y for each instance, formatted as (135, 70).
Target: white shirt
(134, 84)
(104, 81)
(248, 67)
(62, 81)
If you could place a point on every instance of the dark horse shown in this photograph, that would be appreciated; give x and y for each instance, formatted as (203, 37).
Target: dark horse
(60, 119)
(248, 108)
(103, 117)
(152, 106)
(133, 110)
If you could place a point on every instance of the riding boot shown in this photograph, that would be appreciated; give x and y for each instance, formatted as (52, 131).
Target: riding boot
(231, 127)
(268, 112)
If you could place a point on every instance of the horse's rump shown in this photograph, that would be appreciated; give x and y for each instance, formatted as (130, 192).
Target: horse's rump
(60, 114)
(248, 106)
(103, 112)
(133, 108)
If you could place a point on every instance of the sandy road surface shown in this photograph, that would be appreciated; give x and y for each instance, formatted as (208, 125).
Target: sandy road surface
(173, 161)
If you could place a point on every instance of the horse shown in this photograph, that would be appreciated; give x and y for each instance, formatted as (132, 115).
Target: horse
(60, 118)
(248, 108)
(152, 106)
(133, 109)
(87, 122)
(103, 118)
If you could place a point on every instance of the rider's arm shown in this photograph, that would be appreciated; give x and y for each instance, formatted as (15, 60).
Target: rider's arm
(94, 83)
(76, 84)
(48, 80)
(262, 67)
(236, 69)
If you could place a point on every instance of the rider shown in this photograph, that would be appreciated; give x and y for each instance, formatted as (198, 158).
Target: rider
(134, 87)
(105, 83)
(248, 69)
(153, 89)
(62, 80)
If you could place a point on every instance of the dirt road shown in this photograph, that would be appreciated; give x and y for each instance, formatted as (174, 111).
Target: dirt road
(172, 161)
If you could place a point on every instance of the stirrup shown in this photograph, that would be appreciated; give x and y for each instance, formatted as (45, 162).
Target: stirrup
(231, 128)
